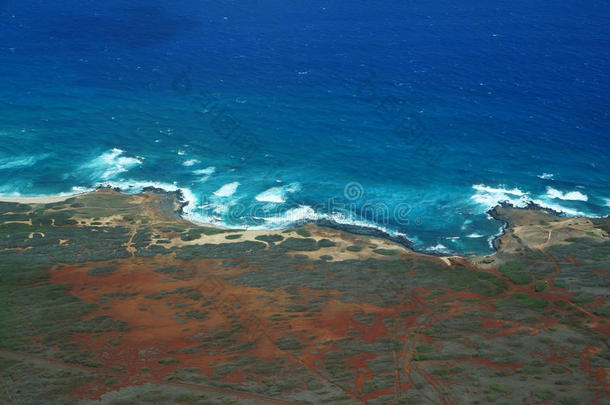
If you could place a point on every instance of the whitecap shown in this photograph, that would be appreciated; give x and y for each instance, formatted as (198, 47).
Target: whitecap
(190, 162)
(501, 189)
(273, 195)
(440, 248)
(77, 190)
(546, 176)
(305, 213)
(293, 215)
(277, 194)
(490, 197)
(136, 186)
(570, 195)
(466, 223)
(227, 190)
(559, 208)
(111, 163)
(208, 171)
(475, 235)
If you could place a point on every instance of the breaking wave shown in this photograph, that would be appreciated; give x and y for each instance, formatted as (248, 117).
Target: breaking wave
(111, 163)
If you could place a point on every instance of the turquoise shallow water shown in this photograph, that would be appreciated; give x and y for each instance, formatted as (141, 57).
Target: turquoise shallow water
(414, 118)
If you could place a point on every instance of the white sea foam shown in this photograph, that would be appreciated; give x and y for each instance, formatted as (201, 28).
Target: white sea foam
(440, 248)
(546, 176)
(111, 163)
(501, 189)
(492, 196)
(500, 232)
(21, 161)
(571, 195)
(300, 213)
(489, 197)
(475, 235)
(190, 162)
(136, 186)
(305, 213)
(217, 207)
(208, 171)
(559, 208)
(227, 190)
(607, 202)
(278, 194)
(273, 195)
(9, 190)
(77, 190)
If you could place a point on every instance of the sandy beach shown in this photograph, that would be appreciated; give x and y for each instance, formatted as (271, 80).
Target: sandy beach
(38, 199)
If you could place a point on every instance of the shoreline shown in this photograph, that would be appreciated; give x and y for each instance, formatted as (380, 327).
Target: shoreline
(402, 241)
(40, 199)
(506, 223)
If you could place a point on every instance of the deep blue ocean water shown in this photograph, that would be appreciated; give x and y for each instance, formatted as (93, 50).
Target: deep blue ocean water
(415, 117)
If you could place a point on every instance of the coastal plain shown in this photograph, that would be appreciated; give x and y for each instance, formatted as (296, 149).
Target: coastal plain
(110, 298)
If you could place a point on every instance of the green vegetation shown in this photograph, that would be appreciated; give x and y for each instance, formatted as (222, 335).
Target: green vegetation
(270, 239)
(303, 232)
(289, 343)
(169, 270)
(101, 271)
(604, 311)
(539, 287)
(300, 244)
(24, 382)
(386, 304)
(425, 348)
(326, 243)
(168, 360)
(386, 252)
(516, 272)
(500, 388)
(220, 250)
(198, 314)
(195, 233)
(36, 315)
(544, 395)
(522, 300)
(460, 278)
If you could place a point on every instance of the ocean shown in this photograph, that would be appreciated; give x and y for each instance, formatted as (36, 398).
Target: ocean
(410, 117)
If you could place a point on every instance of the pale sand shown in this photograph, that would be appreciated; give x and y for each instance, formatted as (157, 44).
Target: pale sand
(38, 200)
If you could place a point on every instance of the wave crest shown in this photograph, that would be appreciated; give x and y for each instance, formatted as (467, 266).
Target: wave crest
(227, 190)
(278, 194)
(570, 195)
(111, 163)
